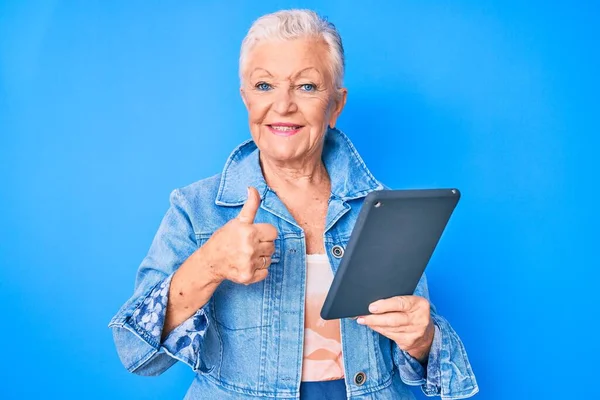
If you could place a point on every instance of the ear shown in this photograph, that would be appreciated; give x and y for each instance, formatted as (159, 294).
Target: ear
(243, 94)
(338, 106)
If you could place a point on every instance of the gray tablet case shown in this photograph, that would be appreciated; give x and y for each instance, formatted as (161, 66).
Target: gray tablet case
(392, 241)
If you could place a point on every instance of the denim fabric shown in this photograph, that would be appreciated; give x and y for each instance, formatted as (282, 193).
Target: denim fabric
(247, 341)
(327, 390)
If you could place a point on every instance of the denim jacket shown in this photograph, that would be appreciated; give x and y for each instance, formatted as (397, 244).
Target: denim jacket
(247, 341)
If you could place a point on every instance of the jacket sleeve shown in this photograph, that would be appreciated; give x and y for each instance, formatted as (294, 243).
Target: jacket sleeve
(137, 326)
(448, 373)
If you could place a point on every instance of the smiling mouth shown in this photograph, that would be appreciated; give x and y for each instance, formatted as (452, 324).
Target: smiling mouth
(284, 129)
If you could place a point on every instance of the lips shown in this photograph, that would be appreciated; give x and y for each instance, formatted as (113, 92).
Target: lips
(284, 129)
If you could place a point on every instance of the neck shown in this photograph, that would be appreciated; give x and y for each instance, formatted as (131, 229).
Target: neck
(307, 174)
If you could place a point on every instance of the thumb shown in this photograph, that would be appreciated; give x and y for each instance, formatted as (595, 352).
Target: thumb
(250, 207)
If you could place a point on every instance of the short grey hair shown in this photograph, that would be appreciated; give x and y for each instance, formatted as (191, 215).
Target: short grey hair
(293, 24)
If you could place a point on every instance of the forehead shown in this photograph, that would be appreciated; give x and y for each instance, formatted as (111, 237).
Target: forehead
(284, 58)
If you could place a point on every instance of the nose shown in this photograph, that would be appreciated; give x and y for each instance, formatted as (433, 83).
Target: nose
(284, 102)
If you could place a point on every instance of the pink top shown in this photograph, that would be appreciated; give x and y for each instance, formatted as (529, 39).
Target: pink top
(322, 360)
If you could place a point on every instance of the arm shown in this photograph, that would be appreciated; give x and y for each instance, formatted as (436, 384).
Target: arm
(144, 329)
(447, 371)
(167, 317)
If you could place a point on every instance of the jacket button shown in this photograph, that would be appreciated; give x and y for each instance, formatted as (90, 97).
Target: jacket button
(360, 378)
(337, 251)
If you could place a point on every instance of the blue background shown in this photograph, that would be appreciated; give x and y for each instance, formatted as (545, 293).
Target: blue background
(106, 106)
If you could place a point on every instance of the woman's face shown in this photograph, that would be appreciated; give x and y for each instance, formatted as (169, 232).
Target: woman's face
(290, 96)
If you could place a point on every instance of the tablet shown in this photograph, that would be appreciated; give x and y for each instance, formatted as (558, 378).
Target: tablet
(391, 243)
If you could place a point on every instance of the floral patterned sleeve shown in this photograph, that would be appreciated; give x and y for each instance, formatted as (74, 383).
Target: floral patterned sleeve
(137, 327)
(183, 343)
(150, 314)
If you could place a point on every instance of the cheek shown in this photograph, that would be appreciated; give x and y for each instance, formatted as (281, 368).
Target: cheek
(316, 111)
(257, 110)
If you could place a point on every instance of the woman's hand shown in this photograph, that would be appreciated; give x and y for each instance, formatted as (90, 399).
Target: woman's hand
(241, 250)
(406, 320)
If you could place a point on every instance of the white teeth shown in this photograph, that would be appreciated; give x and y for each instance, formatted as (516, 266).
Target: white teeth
(284, 128)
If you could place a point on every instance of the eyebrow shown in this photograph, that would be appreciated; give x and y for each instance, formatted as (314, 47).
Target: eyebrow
(296, 75)
(261, 70)
(299, 73)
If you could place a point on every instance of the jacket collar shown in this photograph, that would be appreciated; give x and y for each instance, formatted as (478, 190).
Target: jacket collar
(350, 177)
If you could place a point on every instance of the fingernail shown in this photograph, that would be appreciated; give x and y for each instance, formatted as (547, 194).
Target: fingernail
(361, 320)
(373, 308)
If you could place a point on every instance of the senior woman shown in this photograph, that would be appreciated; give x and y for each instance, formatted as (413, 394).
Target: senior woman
(237, 273)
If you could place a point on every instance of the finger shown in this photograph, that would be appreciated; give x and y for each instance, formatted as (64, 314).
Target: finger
(259, 275)
(263, 263)
(266, 232)
(389, 320)
(265, 249)
(393, 304)
(406, 329)
(381, 330)
(248, 212)
(403, 339)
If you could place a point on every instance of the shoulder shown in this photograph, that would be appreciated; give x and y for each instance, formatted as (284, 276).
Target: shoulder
(199, 193)
(202, 188)
(197, 202)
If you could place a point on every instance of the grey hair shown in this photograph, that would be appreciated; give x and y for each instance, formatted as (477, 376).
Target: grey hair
(293, 24)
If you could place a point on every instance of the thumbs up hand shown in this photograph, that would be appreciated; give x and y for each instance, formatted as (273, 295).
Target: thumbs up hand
(241, 250)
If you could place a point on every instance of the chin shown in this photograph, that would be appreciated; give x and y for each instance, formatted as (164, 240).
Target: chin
(280, 155)
(281, 149)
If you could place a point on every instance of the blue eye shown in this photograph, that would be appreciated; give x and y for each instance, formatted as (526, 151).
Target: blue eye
(308, 87)
(263, 86)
